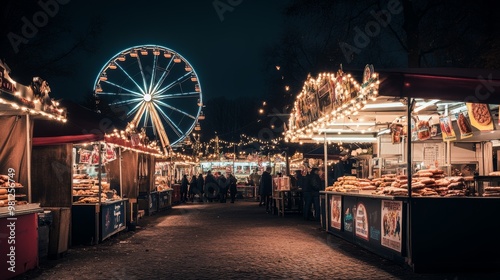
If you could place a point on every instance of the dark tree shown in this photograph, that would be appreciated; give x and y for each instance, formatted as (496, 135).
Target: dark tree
(38, 39)
(322, 35)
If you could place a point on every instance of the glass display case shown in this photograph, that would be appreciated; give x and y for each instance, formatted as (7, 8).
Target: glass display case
(92, 180)
(98, 209)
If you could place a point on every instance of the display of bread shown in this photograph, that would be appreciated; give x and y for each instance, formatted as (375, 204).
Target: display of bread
(345, 184)
(86, 190)
(163, 187)
(6, 195)
(428, 182)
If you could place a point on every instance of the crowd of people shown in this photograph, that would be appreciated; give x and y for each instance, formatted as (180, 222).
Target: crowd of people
(212, 187)
(216, 187)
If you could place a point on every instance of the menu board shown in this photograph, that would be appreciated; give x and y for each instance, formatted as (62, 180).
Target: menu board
(433, 155)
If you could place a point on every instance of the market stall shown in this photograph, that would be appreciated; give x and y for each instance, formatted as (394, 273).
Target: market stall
(97, 169)
(19, 106)
(162, 184)
(422, 201)
(148, 194)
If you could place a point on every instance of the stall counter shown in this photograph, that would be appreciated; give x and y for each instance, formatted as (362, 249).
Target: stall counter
(97, 221)
(443, 229)
(19, 239)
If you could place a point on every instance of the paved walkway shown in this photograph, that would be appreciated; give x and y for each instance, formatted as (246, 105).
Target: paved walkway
(226, 241)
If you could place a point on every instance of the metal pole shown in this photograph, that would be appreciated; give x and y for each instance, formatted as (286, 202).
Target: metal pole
(28, 155)
(120, 166)
(409, 171)
(325, 149)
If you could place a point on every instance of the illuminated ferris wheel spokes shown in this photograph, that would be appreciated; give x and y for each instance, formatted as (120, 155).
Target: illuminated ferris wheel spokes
(154, 90)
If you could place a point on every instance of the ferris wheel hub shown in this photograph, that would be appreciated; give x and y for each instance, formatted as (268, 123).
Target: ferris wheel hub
(147, 97)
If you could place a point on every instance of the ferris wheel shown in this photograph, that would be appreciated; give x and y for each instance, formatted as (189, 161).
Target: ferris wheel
(154, 89)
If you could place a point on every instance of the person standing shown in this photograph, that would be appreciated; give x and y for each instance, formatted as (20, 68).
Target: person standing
(200, 183)
(211, 187)
(193, 187)
(255, 178)
(232, 187)
(310, 191)
(184, 188)
(266, 188)
(221, 181)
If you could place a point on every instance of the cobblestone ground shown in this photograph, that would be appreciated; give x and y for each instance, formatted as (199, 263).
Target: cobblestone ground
(226, 241)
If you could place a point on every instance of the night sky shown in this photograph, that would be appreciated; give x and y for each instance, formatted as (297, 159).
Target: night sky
(225, 48)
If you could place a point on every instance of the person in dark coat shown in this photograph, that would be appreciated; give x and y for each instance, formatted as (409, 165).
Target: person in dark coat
(200, 183)
(211, 189)
(193, 187)
(266, 188)
(184, 188)
(232, 186)
(221, 181)
(310, 192)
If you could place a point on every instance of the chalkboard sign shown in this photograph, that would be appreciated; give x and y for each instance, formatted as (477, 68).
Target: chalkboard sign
(112, 218)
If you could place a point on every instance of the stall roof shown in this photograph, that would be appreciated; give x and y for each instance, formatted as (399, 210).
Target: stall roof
(83, 125)
(452, 84)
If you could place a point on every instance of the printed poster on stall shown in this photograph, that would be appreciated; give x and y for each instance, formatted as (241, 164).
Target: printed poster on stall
(447, 129)
(335, 211)
(464, 125)
(84, 156)
(361, 224)
(392, 211)
(110, 153)
(480, 116)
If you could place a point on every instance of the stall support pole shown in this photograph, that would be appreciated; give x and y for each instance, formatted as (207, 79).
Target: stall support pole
(448, 157)
(28, 154)
(120, 172)
(410, 104)
(325, 149)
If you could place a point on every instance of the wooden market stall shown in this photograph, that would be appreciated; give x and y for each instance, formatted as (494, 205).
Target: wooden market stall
(163, 184)
(98, 173)
(413, 207)
(19, 106)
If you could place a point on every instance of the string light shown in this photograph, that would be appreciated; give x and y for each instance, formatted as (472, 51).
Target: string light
(350, 97)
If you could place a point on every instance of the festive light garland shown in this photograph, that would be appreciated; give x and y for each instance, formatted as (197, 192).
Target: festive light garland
(347, 97)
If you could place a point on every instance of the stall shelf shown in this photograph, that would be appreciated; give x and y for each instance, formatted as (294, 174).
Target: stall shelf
(20, 106)
(447, 227)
